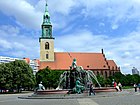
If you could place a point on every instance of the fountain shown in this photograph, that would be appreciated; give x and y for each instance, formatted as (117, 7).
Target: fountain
(76, 80)
(68, 79)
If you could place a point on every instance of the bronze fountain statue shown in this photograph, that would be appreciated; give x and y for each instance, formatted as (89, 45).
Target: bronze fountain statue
(76, 79)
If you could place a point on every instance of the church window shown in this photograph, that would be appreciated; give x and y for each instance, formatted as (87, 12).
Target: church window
(112, 68)
(46, 45)
(105, 74)
(47, 56)
(101, 72)
(113, 73)
(98, 73)
(110, 73)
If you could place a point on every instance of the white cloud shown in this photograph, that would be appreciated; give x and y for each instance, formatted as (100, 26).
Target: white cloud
(5, 44)
(102, 24)
(62, 6)
(13, 43)
(12, 31)
(39, 8)
(116, 11)
(25, 13)
(115, 26)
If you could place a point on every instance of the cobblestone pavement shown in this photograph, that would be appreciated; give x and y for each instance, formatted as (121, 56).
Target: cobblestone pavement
(128, 97)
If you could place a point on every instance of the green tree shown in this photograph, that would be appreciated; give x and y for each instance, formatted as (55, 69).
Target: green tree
(136, 78)
(108, 81)
(100, 79)
(23, 75)
(15, 75)
(118, 76)
(5, 76)
(128, 80)
(49, 78)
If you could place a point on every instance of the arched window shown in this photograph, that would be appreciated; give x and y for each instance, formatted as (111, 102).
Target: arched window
(112, 68)
(46, 45)
(98, 73)
(101, 72)
(105, 74)
(110, 73)
(47, 56)
(113, 73)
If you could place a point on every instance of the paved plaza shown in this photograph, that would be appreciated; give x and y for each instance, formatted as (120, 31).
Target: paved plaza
(106, 98)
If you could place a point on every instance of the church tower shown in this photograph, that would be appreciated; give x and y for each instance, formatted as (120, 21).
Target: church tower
(46, 40)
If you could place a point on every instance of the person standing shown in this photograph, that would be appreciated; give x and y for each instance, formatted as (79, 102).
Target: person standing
(120, 86)
(91, 90)
(135, 86)
(115, 86)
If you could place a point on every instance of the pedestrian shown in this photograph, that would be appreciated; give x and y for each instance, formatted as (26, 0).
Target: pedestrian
(116, 87)
(120, 86)
(135, 86)
(91, 90)
(115, 84)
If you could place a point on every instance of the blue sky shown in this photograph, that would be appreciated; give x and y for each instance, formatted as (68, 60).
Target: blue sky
(78, 26)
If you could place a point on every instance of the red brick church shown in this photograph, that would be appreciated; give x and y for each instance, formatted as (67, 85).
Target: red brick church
(96, 62)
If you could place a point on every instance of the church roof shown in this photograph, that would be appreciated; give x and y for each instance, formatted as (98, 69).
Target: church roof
(112, 65)
(93, 61)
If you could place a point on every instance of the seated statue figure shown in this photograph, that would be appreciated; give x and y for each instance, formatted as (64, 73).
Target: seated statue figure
(79, 86)
(40, 86)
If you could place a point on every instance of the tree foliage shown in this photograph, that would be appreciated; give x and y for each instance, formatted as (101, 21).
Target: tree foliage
(49, 78)
(126, 80)
(15, 75)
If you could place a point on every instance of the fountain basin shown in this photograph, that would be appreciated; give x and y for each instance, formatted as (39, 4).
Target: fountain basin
(50, 92)
(65, 91)
(62, 94)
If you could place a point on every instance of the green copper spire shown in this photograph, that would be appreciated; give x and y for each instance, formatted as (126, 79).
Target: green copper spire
(46, 8)
(46, 16)
(46, 25)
